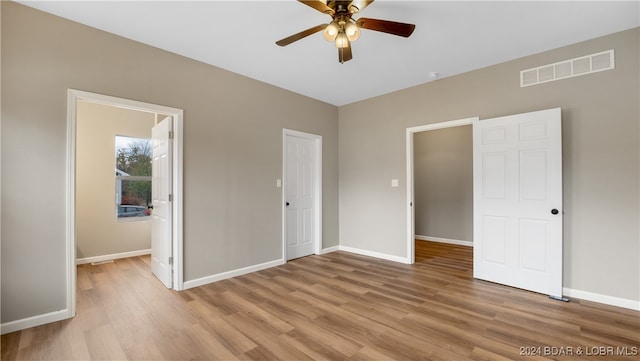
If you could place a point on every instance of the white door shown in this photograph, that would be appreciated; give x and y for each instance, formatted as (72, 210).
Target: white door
(161, 260)
(517, 169)
(301, 196)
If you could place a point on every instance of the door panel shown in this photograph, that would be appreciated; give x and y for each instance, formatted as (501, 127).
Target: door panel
(533, 175)
(518, 181)
(495, 234)
(161, 265)
(495, 182)
(533, 248)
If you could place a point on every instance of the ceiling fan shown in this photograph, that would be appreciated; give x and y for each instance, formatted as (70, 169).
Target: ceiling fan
(343, 29)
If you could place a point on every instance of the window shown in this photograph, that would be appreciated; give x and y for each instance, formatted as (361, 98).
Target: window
(133, 178)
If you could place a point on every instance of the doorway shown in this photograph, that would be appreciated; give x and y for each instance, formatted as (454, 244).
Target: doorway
(411, 174)
(175, 238)
(443, 179)
(301, 194)
(109, 137)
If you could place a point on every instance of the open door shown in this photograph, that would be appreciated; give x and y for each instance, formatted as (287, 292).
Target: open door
(161, 245)
(518, 201)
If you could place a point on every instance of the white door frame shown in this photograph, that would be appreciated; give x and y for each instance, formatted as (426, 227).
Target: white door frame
(411, 254)
(73, 96)
(317, 191)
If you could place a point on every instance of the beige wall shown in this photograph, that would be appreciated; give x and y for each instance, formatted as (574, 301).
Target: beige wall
(232, 151)
(98, 233)
(600, 123)
(443, 183)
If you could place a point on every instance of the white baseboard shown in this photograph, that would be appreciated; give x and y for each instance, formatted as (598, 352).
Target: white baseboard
(444, 240)
(600, 298)
(109, 257)
(34, 321)
(365, 252)
(234, 273)
(330, 249)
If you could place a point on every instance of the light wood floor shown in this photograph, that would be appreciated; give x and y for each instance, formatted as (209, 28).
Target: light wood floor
(336, 306)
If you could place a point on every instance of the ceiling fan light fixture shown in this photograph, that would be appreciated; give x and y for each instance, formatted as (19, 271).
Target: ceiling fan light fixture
(331, 31)
(342, 41)
(352, 30)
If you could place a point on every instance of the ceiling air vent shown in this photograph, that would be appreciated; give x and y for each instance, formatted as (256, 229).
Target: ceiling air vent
(569, 68)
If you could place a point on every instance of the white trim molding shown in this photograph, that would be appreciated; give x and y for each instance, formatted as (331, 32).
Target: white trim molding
(70, 209)
(34, 321)
(110, 257)
(374, 254)
(444, 240)
(233, 273)
(600, 298)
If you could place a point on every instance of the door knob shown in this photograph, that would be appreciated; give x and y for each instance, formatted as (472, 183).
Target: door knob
(554, 211)
(287, 204)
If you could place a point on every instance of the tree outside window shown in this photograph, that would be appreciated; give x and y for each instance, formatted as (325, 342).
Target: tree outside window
(133, 177)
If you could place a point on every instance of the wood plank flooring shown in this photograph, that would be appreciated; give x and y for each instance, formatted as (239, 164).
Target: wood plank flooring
(337, 306)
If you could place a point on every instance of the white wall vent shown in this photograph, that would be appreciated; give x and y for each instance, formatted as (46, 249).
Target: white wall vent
(569, 68)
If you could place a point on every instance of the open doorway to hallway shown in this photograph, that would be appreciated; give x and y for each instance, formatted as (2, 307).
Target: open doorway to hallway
(442, 168)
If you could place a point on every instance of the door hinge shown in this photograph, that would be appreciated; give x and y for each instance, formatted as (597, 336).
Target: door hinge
(170, 197)
(171, 134)
(171, 260)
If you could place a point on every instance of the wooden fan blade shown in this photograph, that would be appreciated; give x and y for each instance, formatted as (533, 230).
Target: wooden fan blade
(358, 5)
(386, 26)
(303, 34)
(319, 5)
(344, 54)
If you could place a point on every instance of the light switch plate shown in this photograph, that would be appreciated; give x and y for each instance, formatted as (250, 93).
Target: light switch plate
(278, 183)
(394, 182)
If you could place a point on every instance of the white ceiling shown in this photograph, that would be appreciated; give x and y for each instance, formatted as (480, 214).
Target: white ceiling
(451, 37)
